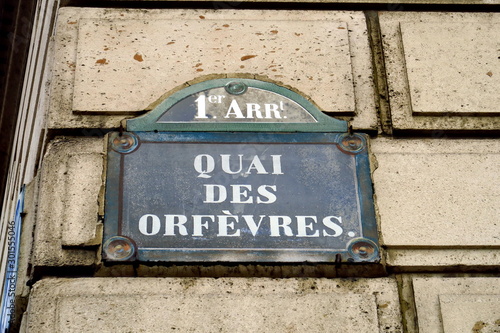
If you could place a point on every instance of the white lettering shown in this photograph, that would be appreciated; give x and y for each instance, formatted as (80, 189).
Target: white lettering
(210, 193)
(253, 108)
(276, 225)
(204, 164)
(198, 226)
(257, 165)
(173, 221)
(276, 164)
(262, 190)
(215, 98)
(239, 194)
(254, 227)
(225, 161)
(212, 98)
(225, 225)
(201, 107)
(144, 224)
(327, 222)
(303, 226)
(272, 108)
(236, 110)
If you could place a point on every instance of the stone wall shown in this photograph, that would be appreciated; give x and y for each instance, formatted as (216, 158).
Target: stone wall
(423, 85)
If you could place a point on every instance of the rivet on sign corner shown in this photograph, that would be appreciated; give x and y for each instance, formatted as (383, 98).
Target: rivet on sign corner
(236, 88)
(362, 249)
(125, 142)
(119, 248)
(352, 142)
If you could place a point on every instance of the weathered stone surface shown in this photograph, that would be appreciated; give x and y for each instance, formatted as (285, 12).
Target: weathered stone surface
(128, 64)
(439, 193)
(448, 79)
(122, 61)
(411, 259)
(435, 85)
(82, 185)
(71, 180)
(461, 302)
(470, 313)
(435, 197)
(213, 305)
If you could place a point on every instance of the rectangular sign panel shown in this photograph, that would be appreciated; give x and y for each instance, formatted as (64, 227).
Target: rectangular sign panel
(239, 197)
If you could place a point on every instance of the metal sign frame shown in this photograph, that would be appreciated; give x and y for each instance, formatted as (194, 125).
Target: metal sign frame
(118, 246)
(149, 121)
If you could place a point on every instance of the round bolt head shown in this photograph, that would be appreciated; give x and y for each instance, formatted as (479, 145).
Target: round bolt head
(352, 143)
(124, 142)
(362, 249)
(236, 88)
(119, 248)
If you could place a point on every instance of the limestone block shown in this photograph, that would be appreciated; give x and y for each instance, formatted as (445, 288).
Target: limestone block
(121, 62)
(449, 305)
(81, 202)
(68, 202)
(434, 193)
(213, 305)
(462, 313)
(134, 58)
(442, 69)
(469, 82)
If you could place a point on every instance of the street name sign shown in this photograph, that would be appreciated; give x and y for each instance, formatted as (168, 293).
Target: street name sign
(238, 170)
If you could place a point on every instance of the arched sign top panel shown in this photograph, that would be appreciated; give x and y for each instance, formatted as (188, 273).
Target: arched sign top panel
(236, 104)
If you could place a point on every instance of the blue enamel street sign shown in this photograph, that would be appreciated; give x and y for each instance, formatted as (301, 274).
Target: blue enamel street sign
(247, 196)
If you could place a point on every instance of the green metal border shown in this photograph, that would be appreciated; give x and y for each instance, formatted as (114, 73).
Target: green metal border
(148, 122)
